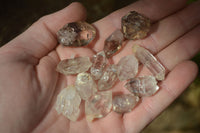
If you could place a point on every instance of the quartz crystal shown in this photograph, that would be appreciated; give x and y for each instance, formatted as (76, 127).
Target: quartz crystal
(135, 25)
(74, 65)
(127, 67)
(108, 78)
(85, 85)
(147, 59)
(76, 34)
(68, 101)
(143, 86)
(113, 43)
(98, 65)
(99, 105)
(124, 103)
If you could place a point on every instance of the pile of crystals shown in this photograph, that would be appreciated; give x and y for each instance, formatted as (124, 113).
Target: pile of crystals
(95, 75)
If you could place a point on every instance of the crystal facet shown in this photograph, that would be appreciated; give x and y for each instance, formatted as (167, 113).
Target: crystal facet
(127, 67)
(124, 103)
(76, 34)
(147, 59)
(74, 66)
(99, 105)
(85, 85)
(108, 78)
(135, 25)
(99, 63)
(68, 101)
(113, 43)
(143, 86)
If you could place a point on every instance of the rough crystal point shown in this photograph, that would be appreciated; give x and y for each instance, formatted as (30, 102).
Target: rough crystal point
(108, 78)
(74, 65)
(135, 25)
(147, 59)
(113, 43)
(76, 34)
(99, 105)
(143, 86)
(127, 67)
(124, 103)
(85, 85)
(98, 65)
(68, 101)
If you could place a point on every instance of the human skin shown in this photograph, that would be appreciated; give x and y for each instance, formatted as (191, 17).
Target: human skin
(29, 83)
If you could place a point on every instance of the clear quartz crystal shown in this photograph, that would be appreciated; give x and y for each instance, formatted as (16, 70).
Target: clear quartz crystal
(143, 86)
(74, 65)
(76, 34)
(113, 43)
(127, 67)
(98, 65)
(108, 78)
(147, 59)
(68, 101)
(99, 105)
(135, 25)
(85, 85)
(124, 103)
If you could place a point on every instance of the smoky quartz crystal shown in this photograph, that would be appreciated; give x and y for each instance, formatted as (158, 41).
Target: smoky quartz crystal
(113, 43)
(76, 34)
(135, 25)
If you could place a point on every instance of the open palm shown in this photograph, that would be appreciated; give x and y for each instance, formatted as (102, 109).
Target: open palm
(29, 83)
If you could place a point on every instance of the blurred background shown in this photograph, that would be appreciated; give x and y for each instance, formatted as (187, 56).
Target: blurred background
(183, 116)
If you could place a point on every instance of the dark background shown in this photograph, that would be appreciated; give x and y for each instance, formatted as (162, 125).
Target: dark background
(183, 116)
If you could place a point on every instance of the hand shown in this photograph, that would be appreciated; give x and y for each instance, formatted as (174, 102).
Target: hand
(29, 83)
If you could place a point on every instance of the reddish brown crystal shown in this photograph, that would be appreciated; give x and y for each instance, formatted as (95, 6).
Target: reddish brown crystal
(113, 43)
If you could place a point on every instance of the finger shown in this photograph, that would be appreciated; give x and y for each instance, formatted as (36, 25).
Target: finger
(175, 83)
(169, 29)
(40, 38)
(183, 49)
(154, 9)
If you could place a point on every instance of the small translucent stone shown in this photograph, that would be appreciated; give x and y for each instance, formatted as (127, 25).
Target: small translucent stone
(143, 86)
(98, 65)
(76, 34)
(135, 25)
(68, 101)
(74, 65)
(85, 85)
(108, 78)
(147, 59)
(127, 67)
(124, 103)
(99, 105)
(113, 43)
